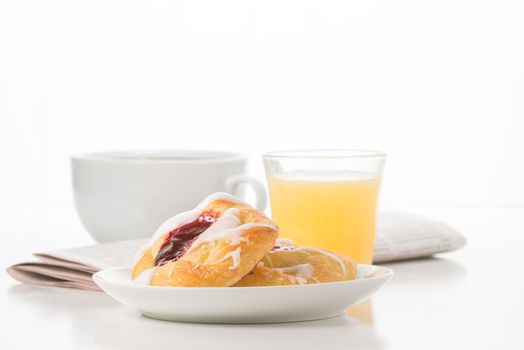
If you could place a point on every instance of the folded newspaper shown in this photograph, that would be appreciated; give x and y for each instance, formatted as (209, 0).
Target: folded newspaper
(400, 236)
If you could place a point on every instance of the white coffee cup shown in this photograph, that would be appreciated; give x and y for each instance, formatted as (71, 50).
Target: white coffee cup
(126, 195)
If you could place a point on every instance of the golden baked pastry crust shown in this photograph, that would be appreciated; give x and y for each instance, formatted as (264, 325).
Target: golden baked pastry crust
(300, 265)
(216, 263)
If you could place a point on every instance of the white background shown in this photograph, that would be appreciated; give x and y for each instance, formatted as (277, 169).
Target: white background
(438, 85)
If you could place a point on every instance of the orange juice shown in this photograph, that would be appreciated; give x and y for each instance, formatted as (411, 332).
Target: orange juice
(334, 211)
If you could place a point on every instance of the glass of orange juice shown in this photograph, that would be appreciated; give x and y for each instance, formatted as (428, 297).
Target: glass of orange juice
(326, 199)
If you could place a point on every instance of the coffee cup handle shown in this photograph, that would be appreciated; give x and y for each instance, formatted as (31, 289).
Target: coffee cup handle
(257, 186)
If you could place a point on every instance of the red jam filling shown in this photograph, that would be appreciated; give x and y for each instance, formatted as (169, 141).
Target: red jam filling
(180, 239)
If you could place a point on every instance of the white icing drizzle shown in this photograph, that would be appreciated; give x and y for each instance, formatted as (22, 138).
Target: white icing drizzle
(230, 233)
(170, 272)
(144, 279)
(235, 240)
(227, 221)
(299, 273)
(327, 253)
(235, 256)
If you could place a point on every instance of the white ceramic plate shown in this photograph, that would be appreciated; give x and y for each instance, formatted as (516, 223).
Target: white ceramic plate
(243, 304)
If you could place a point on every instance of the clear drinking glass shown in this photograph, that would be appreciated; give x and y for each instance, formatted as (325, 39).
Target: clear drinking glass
(326, 199)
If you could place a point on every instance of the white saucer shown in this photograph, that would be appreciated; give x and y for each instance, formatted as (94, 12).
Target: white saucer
(244, 304)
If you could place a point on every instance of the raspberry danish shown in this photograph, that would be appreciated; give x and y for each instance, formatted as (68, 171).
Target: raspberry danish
(213, 245)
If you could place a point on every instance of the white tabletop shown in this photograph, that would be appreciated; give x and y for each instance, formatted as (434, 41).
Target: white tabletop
(470, 299)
